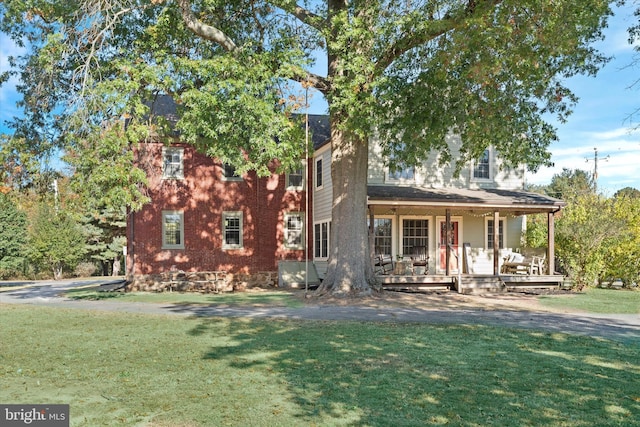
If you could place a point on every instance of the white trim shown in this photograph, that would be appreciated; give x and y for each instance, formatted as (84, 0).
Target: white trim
(328, 223)
(300, 187)
(393, 232)
(472, 177)
(389, 179)
(285, 240)
(180, 215)
(229, 178)
(400, 228)
(315, 172)
(232, 214)
(486, 231)
(440, 220)
(179, 173)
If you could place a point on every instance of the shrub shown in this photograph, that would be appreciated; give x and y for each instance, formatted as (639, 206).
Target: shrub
(85, 269)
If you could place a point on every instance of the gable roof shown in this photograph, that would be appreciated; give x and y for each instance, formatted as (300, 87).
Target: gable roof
(516, 201)
(319, 130)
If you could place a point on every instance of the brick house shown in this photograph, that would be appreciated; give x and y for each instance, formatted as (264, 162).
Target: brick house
(203, 217)
(238, 230)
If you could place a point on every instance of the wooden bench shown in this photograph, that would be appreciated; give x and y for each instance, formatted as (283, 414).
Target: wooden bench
(519, 264)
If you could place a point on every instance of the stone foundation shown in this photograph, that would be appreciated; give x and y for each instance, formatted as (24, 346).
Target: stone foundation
(202, 281)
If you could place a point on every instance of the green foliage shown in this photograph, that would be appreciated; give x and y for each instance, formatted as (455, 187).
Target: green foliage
(622, 252)
(413, 71)
(13, 227)
(537, 231)
(588, 226)
(570, 183)
(56, 242)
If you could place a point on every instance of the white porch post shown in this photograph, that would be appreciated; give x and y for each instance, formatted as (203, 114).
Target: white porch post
(551, 261)
(496, 243)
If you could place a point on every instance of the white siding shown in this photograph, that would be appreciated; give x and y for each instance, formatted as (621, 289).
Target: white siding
(322, 197)
(430, 175)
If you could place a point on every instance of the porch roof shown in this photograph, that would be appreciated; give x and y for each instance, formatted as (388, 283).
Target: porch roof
(514, 201)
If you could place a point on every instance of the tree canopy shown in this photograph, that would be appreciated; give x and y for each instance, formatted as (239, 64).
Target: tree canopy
(413, 71)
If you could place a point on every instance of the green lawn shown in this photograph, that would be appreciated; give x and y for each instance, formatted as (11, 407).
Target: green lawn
(595, 300)
(131, 369)
(274, 298)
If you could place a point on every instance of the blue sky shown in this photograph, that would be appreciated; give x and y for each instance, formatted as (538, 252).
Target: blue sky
(600, 120)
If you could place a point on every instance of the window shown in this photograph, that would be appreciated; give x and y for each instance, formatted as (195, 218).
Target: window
(382, 236)
(229, 173)
(295, 180)
(172, 163)
(415, 232)
(319, 172)
(321, 240)
(401, 173)
(481, 169)
(294, 230)
(489, 233)
(231, 230)
(172, 230)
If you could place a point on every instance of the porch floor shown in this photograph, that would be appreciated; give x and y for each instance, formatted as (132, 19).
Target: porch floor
(468, 283)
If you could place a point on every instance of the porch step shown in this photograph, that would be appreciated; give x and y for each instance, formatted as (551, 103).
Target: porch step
(480, 283)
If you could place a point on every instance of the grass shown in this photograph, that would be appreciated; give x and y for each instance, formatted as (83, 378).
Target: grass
(596, 300)
(278, 298)
(136, 370)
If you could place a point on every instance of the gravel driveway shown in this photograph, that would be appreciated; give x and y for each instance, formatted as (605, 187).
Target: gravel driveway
(512, 310)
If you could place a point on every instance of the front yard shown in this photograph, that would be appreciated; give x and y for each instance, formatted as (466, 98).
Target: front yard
(132, 369)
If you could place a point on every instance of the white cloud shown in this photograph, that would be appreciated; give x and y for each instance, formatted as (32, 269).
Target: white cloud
(618, 158)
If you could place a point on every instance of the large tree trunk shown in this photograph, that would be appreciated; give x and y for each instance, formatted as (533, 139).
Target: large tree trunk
(350, 271)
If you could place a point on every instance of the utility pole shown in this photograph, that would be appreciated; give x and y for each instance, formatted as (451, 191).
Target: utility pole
(595, 167)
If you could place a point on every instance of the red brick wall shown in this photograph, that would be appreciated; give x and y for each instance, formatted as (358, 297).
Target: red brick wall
(203, 196)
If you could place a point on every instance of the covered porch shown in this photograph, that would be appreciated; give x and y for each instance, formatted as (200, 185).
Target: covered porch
(472, 239)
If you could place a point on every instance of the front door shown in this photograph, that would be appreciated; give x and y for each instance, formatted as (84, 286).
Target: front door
(453, 245)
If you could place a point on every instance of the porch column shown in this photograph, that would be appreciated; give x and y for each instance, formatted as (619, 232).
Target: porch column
(372, 246)
(447, 248)
(496, 243)
(551, 261)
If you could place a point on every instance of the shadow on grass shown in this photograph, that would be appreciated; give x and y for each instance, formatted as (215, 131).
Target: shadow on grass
(354, 373)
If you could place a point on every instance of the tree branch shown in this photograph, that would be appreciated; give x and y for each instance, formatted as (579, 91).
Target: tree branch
(203, 30)
(304, 15)
(429, 29)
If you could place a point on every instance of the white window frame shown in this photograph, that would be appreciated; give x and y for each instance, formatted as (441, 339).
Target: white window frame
(237, 215)
(229, 178)
(173, 173)
(393, 232)
(475, 164)
(302, 180)
(288, 231)
(166, 245)
(393, 176)
(324, 251)
(430, 237)
(318, 172)
(502, 220)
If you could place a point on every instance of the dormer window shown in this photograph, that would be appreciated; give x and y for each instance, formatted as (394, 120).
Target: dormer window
(172, 163)
(482, 166)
